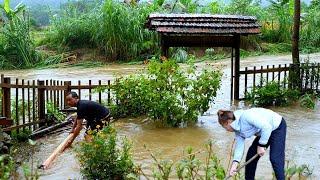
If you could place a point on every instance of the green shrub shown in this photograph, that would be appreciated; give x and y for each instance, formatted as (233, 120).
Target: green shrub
(102, 158)
(21, 135)
(6, 166)
(52, 110)
(272, 94)
(308, 101)
(166, 93)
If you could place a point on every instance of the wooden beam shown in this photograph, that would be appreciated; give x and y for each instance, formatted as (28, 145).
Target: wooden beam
(65, 144)
(237, 67)
(198, 41)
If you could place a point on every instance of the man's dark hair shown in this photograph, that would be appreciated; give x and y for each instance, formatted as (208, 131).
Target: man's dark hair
(73, 94)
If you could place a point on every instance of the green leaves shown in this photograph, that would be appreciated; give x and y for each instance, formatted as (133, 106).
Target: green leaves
(103, 158)
(166, 93)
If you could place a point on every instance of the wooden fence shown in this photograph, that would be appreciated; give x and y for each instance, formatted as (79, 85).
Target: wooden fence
(25, 103)
(260, 76)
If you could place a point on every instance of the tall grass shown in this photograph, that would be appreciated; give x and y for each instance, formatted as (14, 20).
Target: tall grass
(116, 29)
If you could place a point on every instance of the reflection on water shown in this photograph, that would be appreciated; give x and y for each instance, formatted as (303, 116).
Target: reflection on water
(303, 138)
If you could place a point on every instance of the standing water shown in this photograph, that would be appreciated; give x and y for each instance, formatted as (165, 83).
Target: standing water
(303, 137)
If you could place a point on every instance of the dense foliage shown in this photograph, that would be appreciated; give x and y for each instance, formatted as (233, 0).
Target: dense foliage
(166, 93)
(272, 94)
(102, 158)
(117, 29)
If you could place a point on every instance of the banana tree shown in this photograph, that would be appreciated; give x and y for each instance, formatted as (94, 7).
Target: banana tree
(10, 13)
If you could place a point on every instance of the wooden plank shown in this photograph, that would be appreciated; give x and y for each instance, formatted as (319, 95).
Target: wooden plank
(5, 122)
(23, 108)
(33, 104)
(285, 77)
(232, 76)
(35, 86)
(65, 144)
(279, 75)
(90, 90)
(6, 97)
(246, 82)
(29, 109)
(54, 94)
(61, 97)
(51, 89)
(261, 77)
(265, 70)
(318, 72)
(41, 102)
(17, 106)
(109, 92)
(100, 92)
(22, 125)
(267, 78)
(47, 92)
(273, 67)
(312, 77)
(79, 89)
(254, 77)
(236, 44)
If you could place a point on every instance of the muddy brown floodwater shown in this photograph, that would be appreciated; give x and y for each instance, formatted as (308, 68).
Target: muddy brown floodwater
(303, 138)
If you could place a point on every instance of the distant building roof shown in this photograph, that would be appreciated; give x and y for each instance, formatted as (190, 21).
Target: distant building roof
(202, 24)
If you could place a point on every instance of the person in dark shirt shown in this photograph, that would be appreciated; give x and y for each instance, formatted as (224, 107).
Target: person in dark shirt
(95, 114)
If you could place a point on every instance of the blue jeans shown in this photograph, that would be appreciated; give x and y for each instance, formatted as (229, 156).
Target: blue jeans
(277, 155)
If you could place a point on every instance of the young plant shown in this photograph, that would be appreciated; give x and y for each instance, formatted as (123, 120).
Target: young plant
(102, 158)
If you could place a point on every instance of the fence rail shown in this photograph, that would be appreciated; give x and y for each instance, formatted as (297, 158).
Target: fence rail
(25, 103)
(260, 76)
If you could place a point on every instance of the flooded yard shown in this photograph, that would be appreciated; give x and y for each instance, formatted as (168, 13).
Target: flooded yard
(303, 137)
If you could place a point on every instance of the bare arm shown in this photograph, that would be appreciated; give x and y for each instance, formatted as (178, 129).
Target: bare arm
(76, 131)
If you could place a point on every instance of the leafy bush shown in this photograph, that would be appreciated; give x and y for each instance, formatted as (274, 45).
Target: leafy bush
(308, 101)
(272, 94)
(102, 158)
(166, 93)
(22, 135)
(52, 110)
(6, 166)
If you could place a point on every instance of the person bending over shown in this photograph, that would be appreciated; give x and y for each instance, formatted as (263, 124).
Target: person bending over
(270, 130)
(94, 113)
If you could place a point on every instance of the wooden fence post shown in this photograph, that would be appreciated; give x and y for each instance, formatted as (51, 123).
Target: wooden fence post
(6, 103)
(41, 103)
(67, 90)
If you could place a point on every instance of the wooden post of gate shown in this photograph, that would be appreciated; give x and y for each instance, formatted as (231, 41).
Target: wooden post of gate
(67, 90)
(41, 103)
(6, 103)
(237, 68)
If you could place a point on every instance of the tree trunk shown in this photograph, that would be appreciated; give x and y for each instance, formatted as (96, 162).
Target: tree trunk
(294, 73)
(295, 35)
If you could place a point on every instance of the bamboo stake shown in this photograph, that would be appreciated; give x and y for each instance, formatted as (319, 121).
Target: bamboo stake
(230, 154)
(65, 144)
(243, 165)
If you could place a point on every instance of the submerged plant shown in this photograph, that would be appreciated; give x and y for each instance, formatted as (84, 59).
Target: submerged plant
(102, 158)
(166, 93)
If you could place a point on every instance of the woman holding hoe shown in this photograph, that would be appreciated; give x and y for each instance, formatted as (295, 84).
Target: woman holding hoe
(269, 129)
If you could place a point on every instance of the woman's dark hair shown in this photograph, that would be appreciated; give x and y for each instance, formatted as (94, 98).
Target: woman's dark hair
(73, 94)
(224, 116)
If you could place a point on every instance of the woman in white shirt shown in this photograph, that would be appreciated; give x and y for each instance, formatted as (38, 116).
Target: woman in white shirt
(270, 130)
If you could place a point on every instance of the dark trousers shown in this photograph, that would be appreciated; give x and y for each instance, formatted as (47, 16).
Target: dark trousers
(277, 155)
